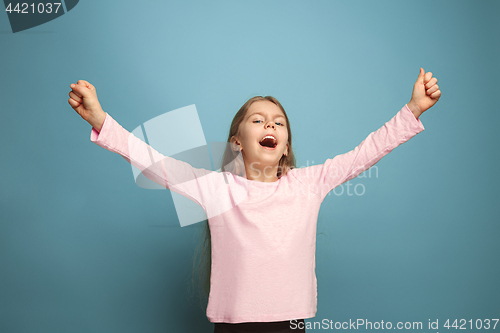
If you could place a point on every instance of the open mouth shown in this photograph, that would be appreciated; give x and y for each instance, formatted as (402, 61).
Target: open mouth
(268, 141)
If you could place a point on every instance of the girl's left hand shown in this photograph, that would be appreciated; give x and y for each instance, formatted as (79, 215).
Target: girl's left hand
(425, 93)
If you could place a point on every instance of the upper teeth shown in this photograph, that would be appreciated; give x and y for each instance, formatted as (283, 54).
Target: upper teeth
(268, 136)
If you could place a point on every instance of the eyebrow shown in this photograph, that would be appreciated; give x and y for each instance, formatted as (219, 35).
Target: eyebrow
(277, 115)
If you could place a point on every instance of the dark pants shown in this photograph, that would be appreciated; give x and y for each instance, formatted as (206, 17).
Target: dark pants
(287, 326)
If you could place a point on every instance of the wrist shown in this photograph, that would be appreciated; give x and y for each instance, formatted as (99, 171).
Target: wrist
(97, 121)
(414, 109)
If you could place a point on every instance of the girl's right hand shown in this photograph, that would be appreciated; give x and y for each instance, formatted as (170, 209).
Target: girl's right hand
(83, 99)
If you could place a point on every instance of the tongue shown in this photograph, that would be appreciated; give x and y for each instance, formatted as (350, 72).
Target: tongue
(267, 143)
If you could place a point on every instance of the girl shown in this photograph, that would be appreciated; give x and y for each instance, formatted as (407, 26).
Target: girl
(262, 211)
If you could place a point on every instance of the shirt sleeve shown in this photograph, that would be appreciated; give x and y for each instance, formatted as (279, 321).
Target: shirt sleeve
(167, 172)
(323, 178)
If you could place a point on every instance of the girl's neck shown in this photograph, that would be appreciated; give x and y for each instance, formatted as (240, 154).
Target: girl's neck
(266, 174)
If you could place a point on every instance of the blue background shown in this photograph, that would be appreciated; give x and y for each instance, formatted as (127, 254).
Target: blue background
(84, 249)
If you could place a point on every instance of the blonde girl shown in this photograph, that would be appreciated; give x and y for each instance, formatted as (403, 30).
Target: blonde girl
(262, 211)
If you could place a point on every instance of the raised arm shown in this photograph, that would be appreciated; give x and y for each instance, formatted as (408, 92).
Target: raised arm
(193, 183)
(336, 171)
(173, 174)
(403, 126)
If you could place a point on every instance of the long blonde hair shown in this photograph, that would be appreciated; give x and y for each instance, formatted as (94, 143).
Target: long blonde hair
(202, 262)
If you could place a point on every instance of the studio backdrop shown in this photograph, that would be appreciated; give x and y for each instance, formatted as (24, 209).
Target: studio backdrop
(415, 239)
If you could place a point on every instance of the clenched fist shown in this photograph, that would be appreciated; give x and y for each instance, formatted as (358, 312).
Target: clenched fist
(83, 99)
(425, 93)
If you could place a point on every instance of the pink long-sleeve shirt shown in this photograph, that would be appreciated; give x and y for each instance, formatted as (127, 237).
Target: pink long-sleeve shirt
(263, 233)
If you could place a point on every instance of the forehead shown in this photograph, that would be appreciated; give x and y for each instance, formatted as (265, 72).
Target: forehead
(265, 108)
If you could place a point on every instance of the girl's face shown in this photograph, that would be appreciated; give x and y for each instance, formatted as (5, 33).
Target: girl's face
(263, 119)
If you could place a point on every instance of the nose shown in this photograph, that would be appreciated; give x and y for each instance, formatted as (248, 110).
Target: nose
(270, 123)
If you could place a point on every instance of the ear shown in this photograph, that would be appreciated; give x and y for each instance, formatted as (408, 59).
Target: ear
(286, 150)
(235, 144)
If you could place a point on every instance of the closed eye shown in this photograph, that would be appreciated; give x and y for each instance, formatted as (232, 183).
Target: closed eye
(277, 123)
